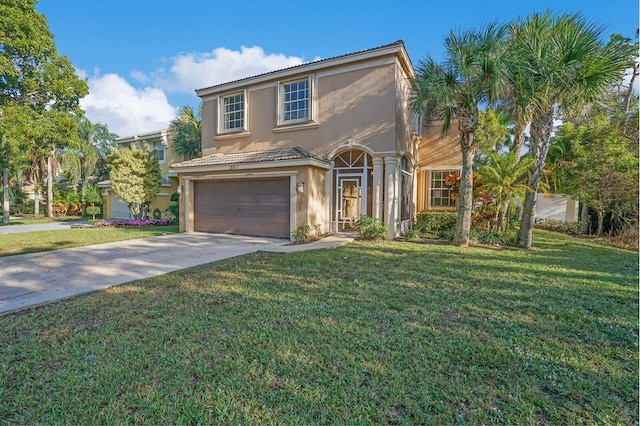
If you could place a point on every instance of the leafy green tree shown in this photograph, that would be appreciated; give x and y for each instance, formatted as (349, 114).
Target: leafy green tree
(39, 91)
(135, 178)
(82, 162)
(603, 170)
(492, 134)
(471, 74)
(560, 66)
(186, 132)
(92, 194)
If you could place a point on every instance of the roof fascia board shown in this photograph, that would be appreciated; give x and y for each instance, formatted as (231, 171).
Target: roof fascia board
(250, 166)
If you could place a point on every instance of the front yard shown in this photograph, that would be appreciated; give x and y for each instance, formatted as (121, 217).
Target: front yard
(388, 333)
(33, 242)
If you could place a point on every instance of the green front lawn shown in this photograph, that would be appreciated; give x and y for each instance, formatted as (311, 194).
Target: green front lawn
(32, 242)
(32, 220)
(389, 333)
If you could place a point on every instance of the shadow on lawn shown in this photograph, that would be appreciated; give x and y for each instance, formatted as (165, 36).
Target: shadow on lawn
(366, 323)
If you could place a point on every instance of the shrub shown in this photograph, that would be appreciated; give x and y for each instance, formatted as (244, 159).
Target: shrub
(489, 237)
(134, 223)
(447, 234)
(567, 227)
(414, 233)
(301, 234)
(429, 222)
(93, 211)
(371, 228)
(174, 208)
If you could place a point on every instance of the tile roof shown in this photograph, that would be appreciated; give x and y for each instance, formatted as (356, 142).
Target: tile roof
(398, 42)
(280, 154)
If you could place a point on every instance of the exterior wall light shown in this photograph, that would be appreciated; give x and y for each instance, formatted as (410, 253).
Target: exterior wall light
(300, 187)
(179, 189)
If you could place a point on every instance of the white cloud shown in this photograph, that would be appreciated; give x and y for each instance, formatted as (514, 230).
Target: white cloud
(190, 71)
(125, 109)
(140, 104)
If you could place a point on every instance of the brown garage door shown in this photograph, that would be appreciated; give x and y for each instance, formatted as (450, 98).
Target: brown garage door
(246, 207)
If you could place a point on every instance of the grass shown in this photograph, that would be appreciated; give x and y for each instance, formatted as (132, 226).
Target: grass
(387, 333)
(42, 219)
(32, 242)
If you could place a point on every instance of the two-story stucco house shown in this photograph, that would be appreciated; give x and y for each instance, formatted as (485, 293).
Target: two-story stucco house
(321, 143)
(159, 141)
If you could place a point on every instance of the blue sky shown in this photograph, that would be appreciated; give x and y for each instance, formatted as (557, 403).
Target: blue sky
(144, 58)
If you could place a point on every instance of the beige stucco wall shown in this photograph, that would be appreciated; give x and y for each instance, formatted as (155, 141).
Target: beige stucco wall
(436, 151)
(358, 105)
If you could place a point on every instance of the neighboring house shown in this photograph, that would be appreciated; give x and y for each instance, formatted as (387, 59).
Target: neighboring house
(321, 143)
(114, 207)
(556, 207)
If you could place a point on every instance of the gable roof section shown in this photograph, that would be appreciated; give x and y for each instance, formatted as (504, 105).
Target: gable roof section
(396, 48)
(269, 156)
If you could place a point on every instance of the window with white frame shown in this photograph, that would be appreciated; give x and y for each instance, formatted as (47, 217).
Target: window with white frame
(442, 188)
(233, 112)
(295, 101)
(158, 150)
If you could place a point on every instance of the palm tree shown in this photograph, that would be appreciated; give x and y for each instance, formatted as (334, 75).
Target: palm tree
(81, 163)
(186, 131)
(471, 74)
(561, 67)
(506, 179)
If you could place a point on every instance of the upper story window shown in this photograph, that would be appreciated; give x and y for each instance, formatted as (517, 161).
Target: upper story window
(295, 101)
(233, 112)
(159, 150)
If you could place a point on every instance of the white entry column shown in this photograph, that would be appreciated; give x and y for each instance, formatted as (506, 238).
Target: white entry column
(378, 179)
(391, 193)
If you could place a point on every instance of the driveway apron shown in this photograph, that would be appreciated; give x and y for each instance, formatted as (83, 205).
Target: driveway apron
(31, 279)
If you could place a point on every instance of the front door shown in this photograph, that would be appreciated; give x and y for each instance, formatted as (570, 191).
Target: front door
(353, 185)
(349, 201)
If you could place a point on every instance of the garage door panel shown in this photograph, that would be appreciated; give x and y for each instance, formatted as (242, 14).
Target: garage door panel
(249, 207)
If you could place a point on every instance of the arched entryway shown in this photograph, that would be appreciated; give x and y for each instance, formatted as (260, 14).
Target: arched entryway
(353, 182)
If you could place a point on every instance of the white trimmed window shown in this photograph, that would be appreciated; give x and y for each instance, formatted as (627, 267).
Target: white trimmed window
(295, 101)
(159, 151)
(440, 193)
(233, 112)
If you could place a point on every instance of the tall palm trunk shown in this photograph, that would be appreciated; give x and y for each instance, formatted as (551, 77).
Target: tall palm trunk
(465, 198)
(516, 149)
(541, 129)
(5, 196)
(49, 186)
(36, 197)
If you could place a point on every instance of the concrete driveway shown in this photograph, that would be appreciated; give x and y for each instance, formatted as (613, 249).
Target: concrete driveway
(32, 279)
(51, 226)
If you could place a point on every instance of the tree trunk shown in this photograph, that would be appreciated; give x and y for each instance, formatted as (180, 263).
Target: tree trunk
(630, 91)
(600, 223)
(518, 140)
(541, 129)
(516, 149)
(83, 193)
(465, 198)
(36, 198)
(584, 217)
(501, 224)
(49, 187)
(5, 196)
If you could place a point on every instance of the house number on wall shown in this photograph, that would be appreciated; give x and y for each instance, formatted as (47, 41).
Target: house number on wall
(233, 167)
